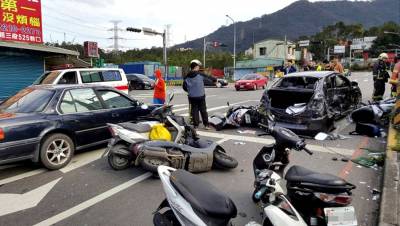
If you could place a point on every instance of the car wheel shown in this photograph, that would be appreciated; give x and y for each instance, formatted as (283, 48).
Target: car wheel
(219, 85)
(56, 151)
(237, 89)
(255, 87)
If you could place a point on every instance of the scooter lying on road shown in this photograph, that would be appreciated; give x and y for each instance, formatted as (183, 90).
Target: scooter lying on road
(371, 117)
(321, 199)
(130, 144)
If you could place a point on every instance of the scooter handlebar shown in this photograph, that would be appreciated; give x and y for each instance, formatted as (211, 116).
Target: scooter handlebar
(308, 151)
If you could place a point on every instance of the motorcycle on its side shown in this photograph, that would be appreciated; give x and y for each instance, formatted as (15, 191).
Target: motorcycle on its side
(131, 144)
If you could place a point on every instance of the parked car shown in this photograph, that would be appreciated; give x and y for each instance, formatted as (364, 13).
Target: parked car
(139, 81)
(310, 102)
(214, 82)
(47, 123)
(251, 82)
(113, 77)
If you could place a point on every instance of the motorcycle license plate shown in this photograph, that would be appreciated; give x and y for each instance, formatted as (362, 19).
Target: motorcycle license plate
(343, 216)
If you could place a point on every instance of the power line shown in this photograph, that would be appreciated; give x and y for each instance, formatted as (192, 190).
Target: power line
(75, 23)
(79, 19)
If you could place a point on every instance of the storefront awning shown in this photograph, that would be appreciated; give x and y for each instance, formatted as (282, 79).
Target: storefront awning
(40, 48)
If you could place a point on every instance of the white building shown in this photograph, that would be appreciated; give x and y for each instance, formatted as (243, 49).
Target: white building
(272, 48)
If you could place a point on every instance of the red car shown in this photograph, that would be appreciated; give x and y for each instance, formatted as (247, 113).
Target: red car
(251, 82)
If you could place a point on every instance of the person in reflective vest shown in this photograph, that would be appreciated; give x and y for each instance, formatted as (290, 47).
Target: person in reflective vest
(380, 76)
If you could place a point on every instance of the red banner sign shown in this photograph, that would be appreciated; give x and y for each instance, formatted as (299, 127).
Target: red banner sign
(90, 49)
(21, 21)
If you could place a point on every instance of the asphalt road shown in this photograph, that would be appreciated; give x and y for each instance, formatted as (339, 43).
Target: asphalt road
(89, 192)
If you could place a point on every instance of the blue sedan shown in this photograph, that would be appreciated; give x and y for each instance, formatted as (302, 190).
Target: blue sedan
(48, 123)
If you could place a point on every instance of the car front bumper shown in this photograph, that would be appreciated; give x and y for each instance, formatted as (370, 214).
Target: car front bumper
(244, 86)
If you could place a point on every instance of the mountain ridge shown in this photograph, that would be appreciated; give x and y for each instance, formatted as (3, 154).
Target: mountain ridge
(302, 18)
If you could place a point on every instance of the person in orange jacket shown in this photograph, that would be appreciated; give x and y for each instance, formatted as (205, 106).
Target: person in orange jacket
(159, 89)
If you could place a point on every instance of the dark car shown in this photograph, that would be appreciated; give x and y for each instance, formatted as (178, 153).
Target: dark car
(214, 82)
(47, 123)
(310, 102)
(251, 82)
(139, 81)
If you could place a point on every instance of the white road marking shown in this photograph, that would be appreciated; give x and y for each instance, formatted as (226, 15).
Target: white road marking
(180, 105)
(78, 161)
(82, 159)
(11, 203)
(208, 96)
(222, 107)
(21, 176)
(180, 109)
(259, 140)
(365, 80)
(84, 205)
(222, 140)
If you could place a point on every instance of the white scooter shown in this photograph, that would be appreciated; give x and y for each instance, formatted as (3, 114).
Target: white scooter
(191, 200)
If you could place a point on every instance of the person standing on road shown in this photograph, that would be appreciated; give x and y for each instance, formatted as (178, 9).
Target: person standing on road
(337, 66)
(380, 76)
(394, 79)
(289, 68)
(159, 88)
(193, 84)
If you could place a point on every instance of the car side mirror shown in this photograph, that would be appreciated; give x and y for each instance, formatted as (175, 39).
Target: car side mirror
(354, 83)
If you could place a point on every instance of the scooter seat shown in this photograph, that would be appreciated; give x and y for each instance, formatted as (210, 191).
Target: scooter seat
(203, 196)
(301, 174)
(138, 127)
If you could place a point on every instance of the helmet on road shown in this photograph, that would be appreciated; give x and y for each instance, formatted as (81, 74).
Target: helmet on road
(195, 61)
(383, 56)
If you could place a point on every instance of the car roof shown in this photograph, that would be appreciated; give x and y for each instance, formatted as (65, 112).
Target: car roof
(315, 74)
(88, 69)
(67, 86)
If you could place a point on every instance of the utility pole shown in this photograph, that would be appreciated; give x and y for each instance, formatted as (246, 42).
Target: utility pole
(234, 44)
(204, 52)
(285, 47)
(116, 37)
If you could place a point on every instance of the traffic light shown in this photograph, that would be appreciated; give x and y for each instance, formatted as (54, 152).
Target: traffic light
(132, 29)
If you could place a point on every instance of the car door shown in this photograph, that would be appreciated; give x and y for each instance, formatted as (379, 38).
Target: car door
(83, 113)
(342, 91)
(121, 107)
(330, 92)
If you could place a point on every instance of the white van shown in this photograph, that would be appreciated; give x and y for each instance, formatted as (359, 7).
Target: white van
(114, 77)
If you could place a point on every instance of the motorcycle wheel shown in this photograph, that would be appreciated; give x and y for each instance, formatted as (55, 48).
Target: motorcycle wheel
(118, 162)
(165, 219)
(222, 160)
(151, 164)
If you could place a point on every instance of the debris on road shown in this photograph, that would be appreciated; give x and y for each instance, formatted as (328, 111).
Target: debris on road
(239, 143)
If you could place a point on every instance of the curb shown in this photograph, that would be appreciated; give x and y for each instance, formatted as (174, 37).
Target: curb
(390, 203)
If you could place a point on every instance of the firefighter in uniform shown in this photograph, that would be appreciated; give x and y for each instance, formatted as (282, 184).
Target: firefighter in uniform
(380, 76)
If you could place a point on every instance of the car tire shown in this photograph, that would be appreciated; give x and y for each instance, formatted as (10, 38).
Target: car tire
(218, 85)
(56, 151)
(237, 89)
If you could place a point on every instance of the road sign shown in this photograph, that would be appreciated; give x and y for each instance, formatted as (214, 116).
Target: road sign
(91, 49)
(339, 49)
(304, 43)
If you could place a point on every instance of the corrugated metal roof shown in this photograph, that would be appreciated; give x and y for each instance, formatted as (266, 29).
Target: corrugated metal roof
(37, 47)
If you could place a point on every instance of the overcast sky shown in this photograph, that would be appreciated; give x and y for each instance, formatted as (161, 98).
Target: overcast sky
(89, 20)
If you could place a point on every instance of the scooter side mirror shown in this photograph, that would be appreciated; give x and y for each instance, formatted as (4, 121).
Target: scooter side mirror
(321, 136)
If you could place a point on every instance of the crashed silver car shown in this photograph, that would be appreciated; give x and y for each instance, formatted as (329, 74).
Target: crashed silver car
(310, 102)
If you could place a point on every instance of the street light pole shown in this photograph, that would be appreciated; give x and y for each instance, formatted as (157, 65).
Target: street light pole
(234, 45)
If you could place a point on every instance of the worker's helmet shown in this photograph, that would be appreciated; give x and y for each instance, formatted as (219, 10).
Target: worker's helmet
(383, 56)
(195, 61)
